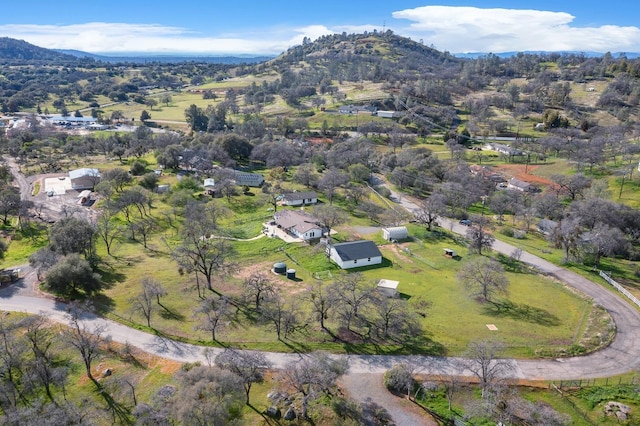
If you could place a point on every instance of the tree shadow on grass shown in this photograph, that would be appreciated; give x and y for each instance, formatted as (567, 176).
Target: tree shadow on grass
(512, 265)
(268, 420)
(110, 277)
(167, 313)
(295, 346)
(120, 413)
(521, 312)
(102, 304)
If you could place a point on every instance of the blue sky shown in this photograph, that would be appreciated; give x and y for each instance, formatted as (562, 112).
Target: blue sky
(270, 27)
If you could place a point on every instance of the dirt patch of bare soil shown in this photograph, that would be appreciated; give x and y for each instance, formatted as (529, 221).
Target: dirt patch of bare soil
(398, 251)
(518, 171)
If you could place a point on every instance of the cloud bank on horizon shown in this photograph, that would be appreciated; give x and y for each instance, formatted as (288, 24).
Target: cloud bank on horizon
(451, 28)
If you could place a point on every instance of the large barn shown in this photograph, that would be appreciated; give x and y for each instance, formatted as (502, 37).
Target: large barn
(84, 178)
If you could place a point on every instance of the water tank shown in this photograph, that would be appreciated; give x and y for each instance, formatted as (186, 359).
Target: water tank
(291, 274)
(280, 268)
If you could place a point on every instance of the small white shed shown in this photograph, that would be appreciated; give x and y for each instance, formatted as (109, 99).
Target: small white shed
(388, 287)
(395, 233)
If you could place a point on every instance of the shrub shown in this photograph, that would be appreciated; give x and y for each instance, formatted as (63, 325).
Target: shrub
(137, 168)
(507, 231)
(399, 378)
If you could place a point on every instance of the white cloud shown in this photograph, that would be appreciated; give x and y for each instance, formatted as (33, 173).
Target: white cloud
(456, 29)
(119, 37)
(471, 29)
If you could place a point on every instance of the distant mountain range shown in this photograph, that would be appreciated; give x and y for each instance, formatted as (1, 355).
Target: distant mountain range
(138, 57)
(475, 55)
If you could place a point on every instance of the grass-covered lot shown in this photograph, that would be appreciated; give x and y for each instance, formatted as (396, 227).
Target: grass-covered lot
(537, 316)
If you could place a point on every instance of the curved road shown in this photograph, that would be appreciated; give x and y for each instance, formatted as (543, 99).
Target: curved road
(623, 355)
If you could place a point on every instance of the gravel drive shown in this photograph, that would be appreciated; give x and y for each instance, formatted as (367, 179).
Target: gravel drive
(369, 387)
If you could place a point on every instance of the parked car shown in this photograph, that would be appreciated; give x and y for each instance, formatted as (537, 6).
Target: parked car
(465, 222)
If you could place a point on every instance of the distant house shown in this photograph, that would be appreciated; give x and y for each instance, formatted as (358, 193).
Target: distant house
(505, 149)
(395, 233)
(84, 178)
(163, 189)
(353, 109)
(209, 184)
(520, 185)
(300, 198)
(249, 179)
(299, 224)
(390, 114)
(355, 254)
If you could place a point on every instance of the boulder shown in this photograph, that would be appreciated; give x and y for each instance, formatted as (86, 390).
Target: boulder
(107, 372)
(274, 412)
(290, 414)
(618, 409)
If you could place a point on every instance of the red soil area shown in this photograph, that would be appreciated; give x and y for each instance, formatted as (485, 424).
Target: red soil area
(517, 171)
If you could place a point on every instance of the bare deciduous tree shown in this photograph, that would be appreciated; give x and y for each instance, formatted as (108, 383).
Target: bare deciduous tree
(248, 365)
(280, 314)
(313, 375)
(212, 313)
(86, 340)
(480, 238)
(322, 300)
(143, 303)
(258, 287)
(483, 362)
(484, 277)
(430, 210)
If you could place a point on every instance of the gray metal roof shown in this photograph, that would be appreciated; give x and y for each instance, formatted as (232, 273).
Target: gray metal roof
(356, 250)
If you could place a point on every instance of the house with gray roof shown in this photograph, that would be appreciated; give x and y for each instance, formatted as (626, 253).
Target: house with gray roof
(300, 198)
(355, 254)
(299, 224)
(249, 179)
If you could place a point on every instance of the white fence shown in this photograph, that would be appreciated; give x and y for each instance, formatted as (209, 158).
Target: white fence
(621, 289)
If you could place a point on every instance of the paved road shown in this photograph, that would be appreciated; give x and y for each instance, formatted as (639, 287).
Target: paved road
(622, 356)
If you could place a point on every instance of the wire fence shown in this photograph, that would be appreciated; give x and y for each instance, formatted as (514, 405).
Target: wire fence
(605, 381)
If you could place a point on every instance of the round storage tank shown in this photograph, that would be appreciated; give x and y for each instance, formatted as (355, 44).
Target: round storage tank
(291, 274)
(280, 268)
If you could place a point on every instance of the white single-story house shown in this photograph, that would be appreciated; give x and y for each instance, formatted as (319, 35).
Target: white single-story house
(353, 109)
(299, 224)
(520, 185)
(300, 198)
(209, 183)
(249, 179)
(395, 233)
(163, 189)
(355, 254)
(388, 287)
(390, 114)
(84, 178)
